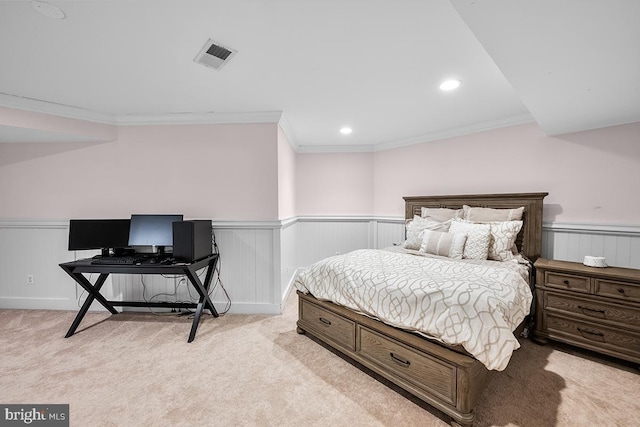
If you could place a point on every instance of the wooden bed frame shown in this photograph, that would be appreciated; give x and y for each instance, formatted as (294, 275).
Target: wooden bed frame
(445, 377)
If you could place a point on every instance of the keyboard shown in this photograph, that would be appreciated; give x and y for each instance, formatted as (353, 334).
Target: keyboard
(115, 260)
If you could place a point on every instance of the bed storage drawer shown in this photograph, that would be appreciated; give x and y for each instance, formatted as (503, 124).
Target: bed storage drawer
(332, 326)
(404, 362)
(448, 379)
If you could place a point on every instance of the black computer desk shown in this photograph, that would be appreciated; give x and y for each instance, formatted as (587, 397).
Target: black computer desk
(77, 270)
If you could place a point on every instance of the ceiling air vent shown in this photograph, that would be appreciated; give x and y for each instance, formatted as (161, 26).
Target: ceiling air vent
(214, 55)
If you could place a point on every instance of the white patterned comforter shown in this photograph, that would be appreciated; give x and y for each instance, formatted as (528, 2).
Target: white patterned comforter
(476, 304)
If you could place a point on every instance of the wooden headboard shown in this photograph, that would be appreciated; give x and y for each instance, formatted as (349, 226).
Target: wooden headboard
(529, 240)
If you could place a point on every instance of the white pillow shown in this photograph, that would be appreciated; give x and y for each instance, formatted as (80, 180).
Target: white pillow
(478, 238)
(444, 244)
(416, 226)
(491, 214)
(503, 239)
(441, 214)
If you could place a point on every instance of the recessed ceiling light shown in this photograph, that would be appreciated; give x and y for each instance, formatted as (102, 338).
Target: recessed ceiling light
(48, 9)
(346, 130)
(450, 84)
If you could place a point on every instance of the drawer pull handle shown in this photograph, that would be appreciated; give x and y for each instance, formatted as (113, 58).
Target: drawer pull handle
(400, 360)
(586, 311)
(621, 290)
(325, 321)
(591, 334)
(566, 282)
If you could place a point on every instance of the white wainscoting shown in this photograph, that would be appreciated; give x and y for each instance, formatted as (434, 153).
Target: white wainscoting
(35, 248)
(250, 266)
(325, 236)
(288, 264)
(388, 232)
(620, 245)
(250, 258)
(320, 237)
(258, 260)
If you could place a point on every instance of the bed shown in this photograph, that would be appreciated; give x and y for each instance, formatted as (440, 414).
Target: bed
(448, 364)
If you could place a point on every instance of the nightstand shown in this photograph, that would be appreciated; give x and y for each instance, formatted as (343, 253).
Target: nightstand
(593, 308)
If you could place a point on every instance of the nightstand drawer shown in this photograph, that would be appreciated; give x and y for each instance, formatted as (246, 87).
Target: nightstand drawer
(621, 290)
(625, 316)
(343, 331)
(566, 281)
(406, 363)
(601, 337)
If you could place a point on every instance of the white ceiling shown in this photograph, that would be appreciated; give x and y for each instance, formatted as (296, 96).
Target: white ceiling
(374, 65)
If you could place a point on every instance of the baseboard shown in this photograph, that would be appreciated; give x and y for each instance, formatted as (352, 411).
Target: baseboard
(248, 308)
(9, 303)
(23, 303)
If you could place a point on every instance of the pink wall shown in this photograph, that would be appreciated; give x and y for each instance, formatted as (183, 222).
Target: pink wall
(591, 176)
(286, 177)
(250, 172)
(223, 172)
(334, 184)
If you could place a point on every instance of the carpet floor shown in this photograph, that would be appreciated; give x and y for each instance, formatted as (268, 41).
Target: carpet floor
(137, 369)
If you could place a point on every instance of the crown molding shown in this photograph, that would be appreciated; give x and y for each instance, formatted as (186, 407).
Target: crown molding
(54, 109)
(419, 139)
(451, 133)
(286, 128)
(364, 148)
(192, 118)
(68, 111)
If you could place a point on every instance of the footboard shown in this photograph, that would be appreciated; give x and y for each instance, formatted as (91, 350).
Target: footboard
(448, 380)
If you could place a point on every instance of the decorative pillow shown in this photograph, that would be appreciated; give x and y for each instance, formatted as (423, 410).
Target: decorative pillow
(415, 228)
(491, 215)
(503, 239)
(441, 214)
(444, 244)
(478, 238)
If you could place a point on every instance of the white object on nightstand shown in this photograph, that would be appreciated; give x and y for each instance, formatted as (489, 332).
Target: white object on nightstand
(595, 261)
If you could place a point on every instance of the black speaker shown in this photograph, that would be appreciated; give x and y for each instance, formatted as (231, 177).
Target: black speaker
(192, 240)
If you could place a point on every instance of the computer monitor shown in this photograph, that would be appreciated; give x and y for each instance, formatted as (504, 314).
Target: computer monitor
(104, 234)
(154, 230)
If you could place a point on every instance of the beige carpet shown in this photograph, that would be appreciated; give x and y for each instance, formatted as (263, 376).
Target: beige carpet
(138, 370)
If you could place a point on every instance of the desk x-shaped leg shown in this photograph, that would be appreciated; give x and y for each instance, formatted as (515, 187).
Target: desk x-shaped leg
(94, 293)
(203, 291)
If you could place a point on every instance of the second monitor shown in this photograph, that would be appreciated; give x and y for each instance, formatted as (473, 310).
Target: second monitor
(153, 230)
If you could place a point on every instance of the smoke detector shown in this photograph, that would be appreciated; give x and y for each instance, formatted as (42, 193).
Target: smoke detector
(214, 55)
